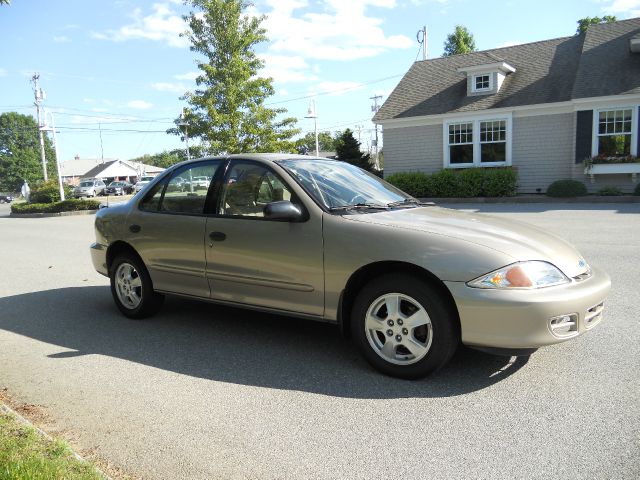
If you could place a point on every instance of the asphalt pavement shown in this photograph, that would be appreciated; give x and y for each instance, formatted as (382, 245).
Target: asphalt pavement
(202, 391)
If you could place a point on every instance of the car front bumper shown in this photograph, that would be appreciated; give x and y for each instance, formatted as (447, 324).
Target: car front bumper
(99, 258)
(522, 319)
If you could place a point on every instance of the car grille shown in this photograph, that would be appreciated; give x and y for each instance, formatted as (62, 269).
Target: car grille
(593, 315)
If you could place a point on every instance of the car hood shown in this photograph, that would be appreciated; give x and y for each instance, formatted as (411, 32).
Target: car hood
(516, 239)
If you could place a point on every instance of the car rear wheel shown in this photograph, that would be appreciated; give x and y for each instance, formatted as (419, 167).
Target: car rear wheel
(403, 326)
(132, 289)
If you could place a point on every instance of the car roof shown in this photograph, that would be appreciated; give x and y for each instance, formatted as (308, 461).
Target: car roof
(261, 157)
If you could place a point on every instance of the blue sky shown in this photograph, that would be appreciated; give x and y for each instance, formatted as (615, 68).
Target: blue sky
(120, 67)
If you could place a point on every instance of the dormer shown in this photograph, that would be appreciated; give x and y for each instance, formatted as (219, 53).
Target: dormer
(486, 79)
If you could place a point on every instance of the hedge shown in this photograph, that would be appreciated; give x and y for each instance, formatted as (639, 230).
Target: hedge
(472, 182)
(566, 188)
(49, 192)
(57, 207)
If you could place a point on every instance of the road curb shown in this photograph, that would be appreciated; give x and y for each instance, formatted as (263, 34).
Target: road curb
(58, 214)
(4, 408)
(535, 199)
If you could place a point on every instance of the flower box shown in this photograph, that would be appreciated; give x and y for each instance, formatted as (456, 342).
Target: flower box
(613, 168)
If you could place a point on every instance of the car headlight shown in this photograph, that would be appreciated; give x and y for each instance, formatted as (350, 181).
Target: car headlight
(531, 274)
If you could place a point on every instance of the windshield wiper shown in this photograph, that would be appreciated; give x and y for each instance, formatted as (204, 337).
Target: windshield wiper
(408, 202)
(360, 206)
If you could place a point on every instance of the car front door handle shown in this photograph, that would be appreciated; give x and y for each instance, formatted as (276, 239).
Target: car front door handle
(217, 236)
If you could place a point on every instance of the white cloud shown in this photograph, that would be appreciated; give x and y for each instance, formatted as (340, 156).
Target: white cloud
(139, 104)
(162, 25)
(3, 72)
(286, 68)
(342, 31)
(178, 87)
(187, 76)
(623, 8)
(61, 39)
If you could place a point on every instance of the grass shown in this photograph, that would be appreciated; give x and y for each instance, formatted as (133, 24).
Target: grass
(25, 454)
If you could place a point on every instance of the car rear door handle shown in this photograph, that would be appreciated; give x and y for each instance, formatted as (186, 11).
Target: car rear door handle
(134, 228)
(217, 236)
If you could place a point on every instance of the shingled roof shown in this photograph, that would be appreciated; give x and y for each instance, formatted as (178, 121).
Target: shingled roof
(594, 64)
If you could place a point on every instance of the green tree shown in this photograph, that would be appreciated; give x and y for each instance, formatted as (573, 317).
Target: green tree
(348, 150)
(326, 142)
(20, 152)
(584, 23)
(460, 41)
(227, 110)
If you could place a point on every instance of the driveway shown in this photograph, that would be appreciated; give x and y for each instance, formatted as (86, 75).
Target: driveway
(202, 391)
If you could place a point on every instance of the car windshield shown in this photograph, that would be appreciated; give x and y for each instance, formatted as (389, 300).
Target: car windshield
(337, 184)
(86, 184)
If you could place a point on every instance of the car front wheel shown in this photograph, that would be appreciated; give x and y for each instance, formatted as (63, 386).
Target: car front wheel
(132, 289)
(403, 326)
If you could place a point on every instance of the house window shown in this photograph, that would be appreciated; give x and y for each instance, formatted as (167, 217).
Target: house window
(481, 142)
(614, 132)
(481, 82)
(460, 143)
(493, 141)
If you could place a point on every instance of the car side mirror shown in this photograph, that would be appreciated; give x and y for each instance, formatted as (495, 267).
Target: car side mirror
(283, 210)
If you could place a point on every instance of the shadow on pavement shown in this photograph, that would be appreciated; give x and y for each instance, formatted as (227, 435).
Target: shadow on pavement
(232, 345)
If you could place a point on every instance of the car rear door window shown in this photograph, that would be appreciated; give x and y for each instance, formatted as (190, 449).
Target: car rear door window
(186, 191)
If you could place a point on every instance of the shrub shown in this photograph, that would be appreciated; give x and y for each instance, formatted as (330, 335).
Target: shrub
(414, 183)
(472, 182)
(610, 191)
(636, 192)
(46, 192)
(566, 188)
(56, 207)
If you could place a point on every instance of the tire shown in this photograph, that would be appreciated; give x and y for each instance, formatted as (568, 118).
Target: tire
(132, 288)
(420, 339)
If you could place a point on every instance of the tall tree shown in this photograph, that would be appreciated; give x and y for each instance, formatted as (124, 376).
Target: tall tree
(20, 152)
(348, 150)
(584, 23)
(460, 41)
(227, 109)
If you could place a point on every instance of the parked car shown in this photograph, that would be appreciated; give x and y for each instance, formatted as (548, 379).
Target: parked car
(322, 239)
(89, 188)
(142, 182)
(4, 198)
(119, 188)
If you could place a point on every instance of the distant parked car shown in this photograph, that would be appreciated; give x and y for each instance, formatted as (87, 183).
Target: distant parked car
(142, 182)
(6, 198)
(89, 188)
(119, 188)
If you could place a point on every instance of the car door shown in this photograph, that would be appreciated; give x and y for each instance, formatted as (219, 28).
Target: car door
(168, 231)
(252, 260)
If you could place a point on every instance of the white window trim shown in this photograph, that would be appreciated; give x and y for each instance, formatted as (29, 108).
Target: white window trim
(476, 142)
(634, 127)
(473, 82)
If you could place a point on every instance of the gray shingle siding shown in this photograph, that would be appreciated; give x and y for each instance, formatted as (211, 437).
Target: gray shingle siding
(413, 149)
(542, 148)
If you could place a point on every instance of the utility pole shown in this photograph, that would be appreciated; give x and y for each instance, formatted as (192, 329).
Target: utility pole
(374, 109)
(39, 97)
(183, 123)
(421, 36)
(359, 129)
(101, 147)
(55, 149)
